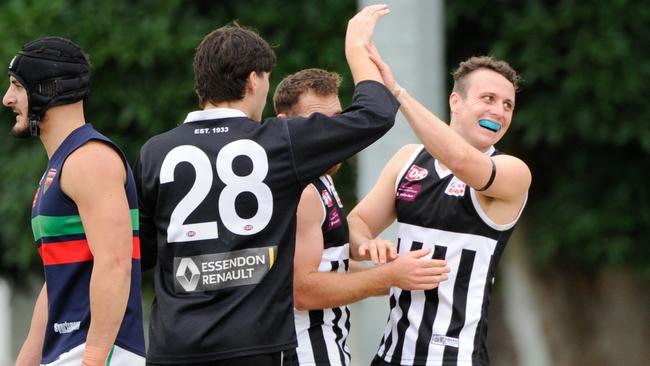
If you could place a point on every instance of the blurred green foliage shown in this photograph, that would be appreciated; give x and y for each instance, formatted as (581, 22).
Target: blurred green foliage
(581, 122)
(142, 82)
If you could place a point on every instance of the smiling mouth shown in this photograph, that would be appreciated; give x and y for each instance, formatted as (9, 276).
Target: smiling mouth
(487, 124)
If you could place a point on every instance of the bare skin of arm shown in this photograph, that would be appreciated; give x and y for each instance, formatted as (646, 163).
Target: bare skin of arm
(318, 290)
(376, 212)
(31, 351)
(94, 177)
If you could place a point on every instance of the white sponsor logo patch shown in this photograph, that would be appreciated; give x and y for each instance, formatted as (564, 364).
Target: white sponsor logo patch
(456, 187)
(66, 327)
(211, 272)
(444, 340)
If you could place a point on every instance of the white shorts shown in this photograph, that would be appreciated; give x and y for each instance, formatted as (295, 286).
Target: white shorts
(117, 357)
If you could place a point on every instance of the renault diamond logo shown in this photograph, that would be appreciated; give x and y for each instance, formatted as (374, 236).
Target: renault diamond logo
(187, 264)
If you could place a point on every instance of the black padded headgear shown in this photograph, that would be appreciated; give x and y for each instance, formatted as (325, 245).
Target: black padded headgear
(54, 71)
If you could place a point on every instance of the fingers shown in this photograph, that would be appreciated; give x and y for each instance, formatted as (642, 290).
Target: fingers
(376, 10)
(419, 253)
(432, 271)
(381, 251)
(393, 252)
(367, 18)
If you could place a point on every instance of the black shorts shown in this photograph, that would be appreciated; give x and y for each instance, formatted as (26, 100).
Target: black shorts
(267, 359)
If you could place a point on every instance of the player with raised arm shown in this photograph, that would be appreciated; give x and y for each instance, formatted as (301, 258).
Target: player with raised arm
(457, 195)
(218, 196)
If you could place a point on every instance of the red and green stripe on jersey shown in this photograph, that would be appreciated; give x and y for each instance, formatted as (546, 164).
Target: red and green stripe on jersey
(62, 239)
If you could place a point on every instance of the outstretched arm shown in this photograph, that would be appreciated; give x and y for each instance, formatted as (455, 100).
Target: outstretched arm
(32, 349)
(93, 177)
(318, 290)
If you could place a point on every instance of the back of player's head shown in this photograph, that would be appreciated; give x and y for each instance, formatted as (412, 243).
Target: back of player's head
(54, 71)
(483, 62)
(289, 90)
(224, 59)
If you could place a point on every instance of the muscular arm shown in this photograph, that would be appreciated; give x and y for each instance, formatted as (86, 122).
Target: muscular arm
(32, 349)
(318, 290)
(376, 211)
(94, 177)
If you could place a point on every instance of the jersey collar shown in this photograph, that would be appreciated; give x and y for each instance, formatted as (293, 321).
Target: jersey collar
(214, 113)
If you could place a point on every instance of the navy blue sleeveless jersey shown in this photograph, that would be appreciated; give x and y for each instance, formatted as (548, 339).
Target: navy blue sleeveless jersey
(68, 262)
(446, 325)
(218, 197)
(322, 333)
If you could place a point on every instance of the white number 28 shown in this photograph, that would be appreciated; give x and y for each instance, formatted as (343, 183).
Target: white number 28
(178, 231)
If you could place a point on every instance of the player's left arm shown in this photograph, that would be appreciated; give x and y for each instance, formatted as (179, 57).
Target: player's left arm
(94, 178)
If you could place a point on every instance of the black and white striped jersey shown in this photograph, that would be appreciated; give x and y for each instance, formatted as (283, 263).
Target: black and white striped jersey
(218, 197)
(446, 325)
(322, 333)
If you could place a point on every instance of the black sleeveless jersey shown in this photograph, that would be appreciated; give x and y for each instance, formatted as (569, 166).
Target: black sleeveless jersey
(218, 197)
(446, 325)
(322, 333)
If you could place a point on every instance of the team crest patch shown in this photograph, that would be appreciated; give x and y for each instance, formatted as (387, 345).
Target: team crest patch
(416, 173)
(456, 187)
(327, 198)
(49, 178)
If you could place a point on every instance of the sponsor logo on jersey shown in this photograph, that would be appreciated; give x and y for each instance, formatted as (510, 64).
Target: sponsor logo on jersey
(66, 327)
(416, 173)
(442, 340)
(187, 274)
(327, 198)
(408, 191)
(49, 178)
(212, 272)
(456, 187)
(333, 219)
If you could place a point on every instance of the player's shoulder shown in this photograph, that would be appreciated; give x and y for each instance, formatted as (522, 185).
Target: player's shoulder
(95, 152)
(95, 159)
(405, 154)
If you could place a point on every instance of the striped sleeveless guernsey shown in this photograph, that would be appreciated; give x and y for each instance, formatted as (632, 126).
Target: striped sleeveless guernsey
(322, 334)
(68, 261)
(446, 325)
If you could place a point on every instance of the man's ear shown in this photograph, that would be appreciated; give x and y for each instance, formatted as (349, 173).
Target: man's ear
(454, 102)
(251, 81)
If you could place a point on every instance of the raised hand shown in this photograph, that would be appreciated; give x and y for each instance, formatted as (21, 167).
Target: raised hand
(362, 25)
(358, 35)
